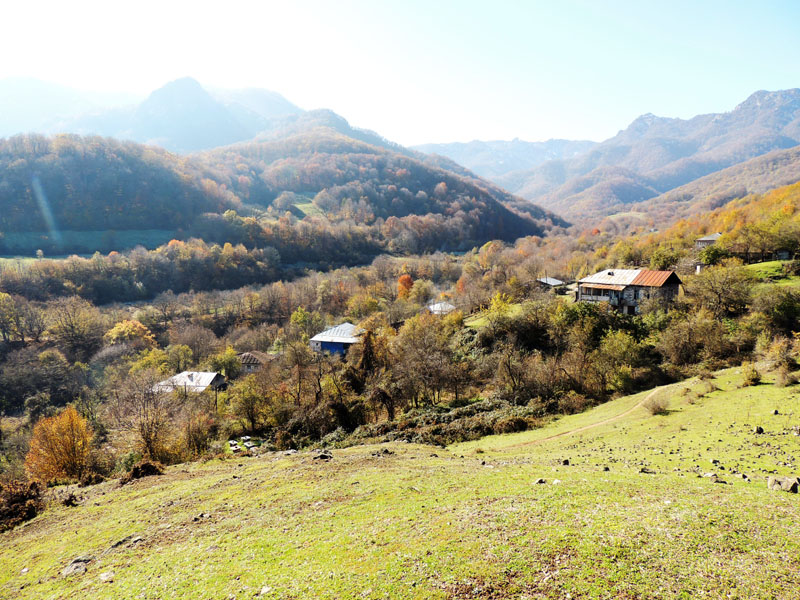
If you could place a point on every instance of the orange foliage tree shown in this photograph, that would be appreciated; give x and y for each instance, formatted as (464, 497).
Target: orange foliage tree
(60, 447)
(404, 284)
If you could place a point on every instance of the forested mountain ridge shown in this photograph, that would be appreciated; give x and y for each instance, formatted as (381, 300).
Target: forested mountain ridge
(655, 154)
(495, 158)
(319, 178)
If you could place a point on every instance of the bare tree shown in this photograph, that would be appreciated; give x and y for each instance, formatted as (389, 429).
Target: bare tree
(139, 405)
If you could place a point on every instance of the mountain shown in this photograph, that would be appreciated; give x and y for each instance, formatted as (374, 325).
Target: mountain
(182, 116)
(658, 154)
(494, 158)
(755, 176)
(31, 105)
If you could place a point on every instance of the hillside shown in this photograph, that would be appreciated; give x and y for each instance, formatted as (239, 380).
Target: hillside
(755, 176)
(632, 515)
(100, 185)
(495, 158)
(659, 154)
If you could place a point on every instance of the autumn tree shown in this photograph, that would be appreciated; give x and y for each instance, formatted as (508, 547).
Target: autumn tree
(60, 447)
(130, 332)
(404, 284)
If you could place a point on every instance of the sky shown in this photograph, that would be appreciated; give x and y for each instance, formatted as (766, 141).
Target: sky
(419, 71)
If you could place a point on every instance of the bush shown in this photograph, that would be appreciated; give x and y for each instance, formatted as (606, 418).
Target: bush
(60, 447)
(19, 502)
(658, 405)
(144, 468)
(511, 425)
(750, 375)
(784, 377)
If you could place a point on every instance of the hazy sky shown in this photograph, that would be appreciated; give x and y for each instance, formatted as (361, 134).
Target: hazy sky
(426, 70)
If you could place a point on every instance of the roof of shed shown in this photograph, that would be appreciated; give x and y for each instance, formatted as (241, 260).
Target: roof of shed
(713, 237)
(194, 381)
(345, 333)
(550, 281)
(604, 286)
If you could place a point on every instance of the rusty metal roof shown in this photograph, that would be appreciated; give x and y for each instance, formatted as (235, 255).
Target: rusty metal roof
(648, 278)
(625, 277)
(603, 286)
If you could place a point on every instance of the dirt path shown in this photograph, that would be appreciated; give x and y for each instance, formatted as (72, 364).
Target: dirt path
(593, 425)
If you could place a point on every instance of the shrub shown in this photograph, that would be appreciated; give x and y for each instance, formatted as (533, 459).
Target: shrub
(785, 377)
(510, 425)
(144, 468)
(573, 402)
(60, 447)
(19, 502)
(658, 405)
(750, 375)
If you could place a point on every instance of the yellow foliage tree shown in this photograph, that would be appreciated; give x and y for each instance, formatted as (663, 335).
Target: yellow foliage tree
(132, 332)
(60, 447)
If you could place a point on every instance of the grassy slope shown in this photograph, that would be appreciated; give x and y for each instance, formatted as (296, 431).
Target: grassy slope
(414, 525)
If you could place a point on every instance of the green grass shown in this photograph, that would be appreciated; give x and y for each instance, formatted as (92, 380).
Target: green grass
(309, 209)
(467, 523)
(772, 269)
(479, 320)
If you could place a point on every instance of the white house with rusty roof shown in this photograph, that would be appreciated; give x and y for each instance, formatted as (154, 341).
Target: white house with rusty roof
(625, 289)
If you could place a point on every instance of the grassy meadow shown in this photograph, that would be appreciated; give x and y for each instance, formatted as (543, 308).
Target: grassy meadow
(467, 521)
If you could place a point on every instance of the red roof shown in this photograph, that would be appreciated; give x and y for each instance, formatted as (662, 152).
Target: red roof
(649, 278)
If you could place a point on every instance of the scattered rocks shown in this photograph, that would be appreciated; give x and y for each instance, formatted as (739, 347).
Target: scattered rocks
(775, 412)
(107, 577)
(200, 517)
(324, 455)
(289, 452)
(385, 452)
(758, 429)
(128, 539)
(565, 462)
(540, 481)
(647, 471)
(785, 484)
(265, 590)
(606, 468)
(556, 481)
(714, 461)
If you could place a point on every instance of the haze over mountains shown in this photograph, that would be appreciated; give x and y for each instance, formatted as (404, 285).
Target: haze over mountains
(181, 116)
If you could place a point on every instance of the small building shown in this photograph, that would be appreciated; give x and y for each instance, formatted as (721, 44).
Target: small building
(253, 361)
(440, 308)
(336, 340)
(549, 282)
(192, 381)
(706, 241)
(625, 289)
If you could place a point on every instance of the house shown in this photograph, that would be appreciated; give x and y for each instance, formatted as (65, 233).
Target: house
(625, 289)
(336, 339)
(253, 361)
(192, 381)
(706, 241)
(440, 308)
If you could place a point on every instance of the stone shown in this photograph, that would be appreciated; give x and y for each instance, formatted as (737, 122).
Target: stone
(565, 462)
(606, 469)
(324, 455)
(73, 569)
(785, 484)
(77, 566)
(714, 461)
(107, 577)
(758, 429)
(265, 590)
(647, 471)
(540, 481)
(556, 481)
(775, 412)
